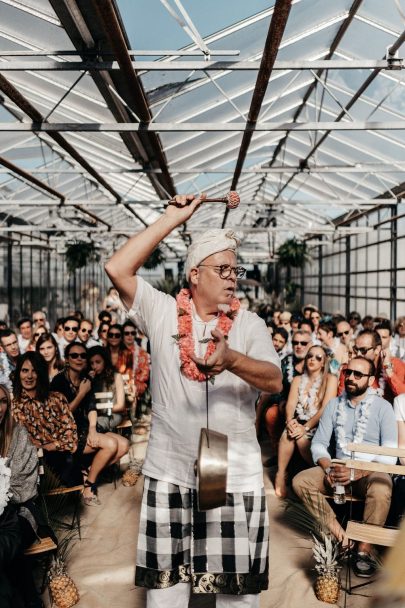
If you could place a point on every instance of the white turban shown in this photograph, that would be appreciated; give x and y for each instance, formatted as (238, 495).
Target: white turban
(212, 241)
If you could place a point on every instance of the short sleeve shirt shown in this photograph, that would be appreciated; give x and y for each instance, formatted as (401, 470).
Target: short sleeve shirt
(179, 404)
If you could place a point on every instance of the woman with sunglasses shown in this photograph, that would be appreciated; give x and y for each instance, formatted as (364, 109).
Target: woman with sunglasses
(45, 415)
(121, 356)
(102, 332)
(309, 394)
(107, 448)
(106, 379)
(48, 348)
(38, 332)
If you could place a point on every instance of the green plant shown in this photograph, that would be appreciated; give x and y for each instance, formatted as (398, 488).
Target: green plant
(79, 254)
(169, 286)
(293, 254)
(155, 259)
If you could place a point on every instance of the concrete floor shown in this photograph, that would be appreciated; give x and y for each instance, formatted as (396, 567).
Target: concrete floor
(102, 564)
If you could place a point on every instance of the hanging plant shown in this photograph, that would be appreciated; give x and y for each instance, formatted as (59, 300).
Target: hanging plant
(293, 254)
(79, 254)
(155, 259)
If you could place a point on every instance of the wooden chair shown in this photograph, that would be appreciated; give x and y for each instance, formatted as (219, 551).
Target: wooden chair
(43, 548)
(104, 402)
(61, 491)
(363, 532)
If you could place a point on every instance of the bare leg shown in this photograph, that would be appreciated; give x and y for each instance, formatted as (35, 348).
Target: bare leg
(304, 448)
(122, 446)
(104, 454)
(285, 451)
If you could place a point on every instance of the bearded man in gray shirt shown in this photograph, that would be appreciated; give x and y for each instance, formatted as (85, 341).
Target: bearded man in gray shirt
(359, 415)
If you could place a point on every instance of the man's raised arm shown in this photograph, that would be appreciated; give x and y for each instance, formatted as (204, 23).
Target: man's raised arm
(125, 262)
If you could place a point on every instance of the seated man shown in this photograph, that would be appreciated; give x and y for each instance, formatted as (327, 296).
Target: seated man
(359, 415)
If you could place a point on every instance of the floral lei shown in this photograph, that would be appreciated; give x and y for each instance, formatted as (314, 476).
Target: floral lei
(305, 407)
(361, 424)
(5, 477)
(290, 368)
(185, 338)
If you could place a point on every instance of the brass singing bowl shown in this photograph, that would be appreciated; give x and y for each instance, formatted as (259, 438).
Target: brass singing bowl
(211, 468)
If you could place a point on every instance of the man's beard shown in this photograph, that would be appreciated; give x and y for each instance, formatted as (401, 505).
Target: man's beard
(355, 391)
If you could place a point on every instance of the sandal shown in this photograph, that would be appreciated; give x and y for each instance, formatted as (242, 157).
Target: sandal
(91, 501)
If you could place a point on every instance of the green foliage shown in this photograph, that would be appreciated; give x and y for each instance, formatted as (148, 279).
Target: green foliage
(293, 254)
(168, 286)
(79, 254)
(155, 259)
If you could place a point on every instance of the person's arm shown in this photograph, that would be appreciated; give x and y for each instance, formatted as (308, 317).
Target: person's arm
(125, 262)
(321, 440)
(67, 432)
(119, 404)
(84, 388)
(395, 373)
(92, 437)
(292, 400)
(330, 393)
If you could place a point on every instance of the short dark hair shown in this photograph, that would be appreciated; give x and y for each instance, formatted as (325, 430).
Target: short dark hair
(384, 324)
(371, 366)
(307, 322)
(128, 323)
(355, 315)
(59, 322)
(6, 333)
(104, 353)
(282, 332)
(71, 318)
(41, 369)
(104, 313)
(24, 320)
(328, 326)
(367, 319)
(69, 347)
(376, 338)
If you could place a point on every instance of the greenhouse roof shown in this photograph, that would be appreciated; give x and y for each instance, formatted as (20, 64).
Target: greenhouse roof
(109, 108)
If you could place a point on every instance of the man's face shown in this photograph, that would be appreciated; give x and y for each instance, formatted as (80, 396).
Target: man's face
(385, 336)
(357, 378)
(363, 347)
(85, 331)
(39, 319)
(278, 342)
(10, 346)
(344, 332)
(129, 335)
(210, 288)
(26, 330)
(300, 344)
(315, 318)
(70, 330)
(324, 336)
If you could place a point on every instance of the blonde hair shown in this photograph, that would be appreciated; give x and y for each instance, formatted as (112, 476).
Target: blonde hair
(325, 373)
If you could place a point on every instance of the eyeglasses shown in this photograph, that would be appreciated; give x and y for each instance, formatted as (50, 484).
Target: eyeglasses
(311, 356)
(35, 320)
(343, 333)
(225, 270)
(299, 343)
(362, 350)
(69, 328)
(113, 334)
(129, 333)
(78, 355)
(357, 375)
(103, 331)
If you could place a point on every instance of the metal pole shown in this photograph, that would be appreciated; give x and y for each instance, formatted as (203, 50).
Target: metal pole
(48, 280)
(21, 284)
(31, 285)
(347, 273)
(394, 265)
(320, 275)
(10, 277)
(40, 279)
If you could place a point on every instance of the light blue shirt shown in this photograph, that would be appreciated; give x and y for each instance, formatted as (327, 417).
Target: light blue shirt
(381, 429)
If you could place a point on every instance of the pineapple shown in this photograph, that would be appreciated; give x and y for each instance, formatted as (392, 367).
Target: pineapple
(63, 590)
(130, 477)
(327, 584)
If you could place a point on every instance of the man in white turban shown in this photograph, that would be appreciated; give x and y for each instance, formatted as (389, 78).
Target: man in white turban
(202, 334)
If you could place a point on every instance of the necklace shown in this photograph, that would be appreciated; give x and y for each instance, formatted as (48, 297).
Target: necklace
(307, 404)
(360, 425)
(185, 339)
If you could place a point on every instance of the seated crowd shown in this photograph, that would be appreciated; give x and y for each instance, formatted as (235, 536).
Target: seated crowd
(49, 383)
(343, 382)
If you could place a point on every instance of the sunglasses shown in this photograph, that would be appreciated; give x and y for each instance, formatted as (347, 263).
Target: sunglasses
(129, 333)
(357, 375)
(37, 334)
(343, 333)
(86, 331)
(299, 343)
(114, 334)
(317, 357)
(78, 355)
(362, 350)
(69, 328)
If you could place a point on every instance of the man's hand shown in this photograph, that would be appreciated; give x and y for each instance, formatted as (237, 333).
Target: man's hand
(220, 360)
(341, 474)
(184, 207)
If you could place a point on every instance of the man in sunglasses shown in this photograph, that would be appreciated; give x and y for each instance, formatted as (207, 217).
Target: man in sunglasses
(85, 333)
(345, 334)
(389, 378)
(70, 333)
(177, 542)
(359, 415)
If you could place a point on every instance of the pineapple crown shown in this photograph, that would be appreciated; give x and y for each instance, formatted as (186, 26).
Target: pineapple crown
(326, 551)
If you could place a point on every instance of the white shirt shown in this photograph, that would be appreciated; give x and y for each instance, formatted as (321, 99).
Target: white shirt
(399, 408)
(178, 404)
(22, 343)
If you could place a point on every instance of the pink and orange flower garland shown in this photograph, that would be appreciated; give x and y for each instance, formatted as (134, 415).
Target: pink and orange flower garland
(185, 338)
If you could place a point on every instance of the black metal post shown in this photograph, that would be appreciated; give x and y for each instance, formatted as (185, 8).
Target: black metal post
(10, 275)
(347, 275)
(31, 285)
(40, 278)
(320, 275)
(48, 279)
(394, 264)
(21, 283)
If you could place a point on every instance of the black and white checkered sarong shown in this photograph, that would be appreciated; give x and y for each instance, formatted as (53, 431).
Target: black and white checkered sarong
(224, 550)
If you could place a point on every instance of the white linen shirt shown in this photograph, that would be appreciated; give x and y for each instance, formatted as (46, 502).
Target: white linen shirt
(179, 404)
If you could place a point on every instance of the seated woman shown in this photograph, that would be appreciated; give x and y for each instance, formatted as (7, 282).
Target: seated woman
(307, 399)
(46, 417)
(105, 379)
(121, 356)
(48, 347)
(107, 448)
(21, 458)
